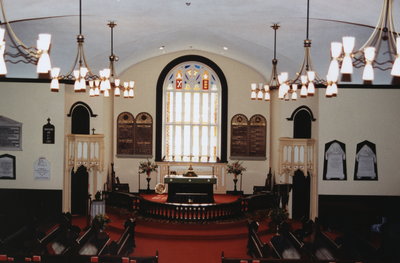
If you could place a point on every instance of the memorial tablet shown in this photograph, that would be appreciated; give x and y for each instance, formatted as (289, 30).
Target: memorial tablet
(48, 133)
(10, 134)
(366, 165)
(125, 134)
(144, 135)
(239, 136)
(335, 161)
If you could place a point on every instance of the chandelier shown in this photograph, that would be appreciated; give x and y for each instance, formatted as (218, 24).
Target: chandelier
(114, 82)
(307, 78)
(344, 58)
(21, 53)
(104, 83)
(262, 91)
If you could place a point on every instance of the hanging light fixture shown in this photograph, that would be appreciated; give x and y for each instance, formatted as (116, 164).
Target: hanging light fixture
(80, 71)
(368, 54)
(261, 91)
(109, 81)
(306, 77)
(38, 55)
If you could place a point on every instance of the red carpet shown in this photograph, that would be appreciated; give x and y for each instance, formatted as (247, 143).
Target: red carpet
(218, 198)
(181, 242)
(195, 243)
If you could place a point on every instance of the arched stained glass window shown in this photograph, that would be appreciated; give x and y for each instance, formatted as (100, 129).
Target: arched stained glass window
(191, 113)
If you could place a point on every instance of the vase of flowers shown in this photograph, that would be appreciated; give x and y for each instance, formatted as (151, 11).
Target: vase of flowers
(147, 167)
(100, 221)
(236, 168)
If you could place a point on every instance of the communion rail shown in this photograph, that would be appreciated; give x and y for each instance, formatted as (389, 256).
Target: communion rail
(177, 211)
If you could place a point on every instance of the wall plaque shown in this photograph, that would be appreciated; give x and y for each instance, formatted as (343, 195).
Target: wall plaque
(134, 135)
(125, 133)
(248, 137)
(7, 166)
(365, 167)
(42, 169)
(335, 161)
(10, 134)
(257, 136)
(48, 133)
(239, 136)
(144, 134)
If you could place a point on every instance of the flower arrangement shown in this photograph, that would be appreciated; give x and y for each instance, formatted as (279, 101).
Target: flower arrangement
(147, 167)
(278, 215)
(101, 220)
(235, 168)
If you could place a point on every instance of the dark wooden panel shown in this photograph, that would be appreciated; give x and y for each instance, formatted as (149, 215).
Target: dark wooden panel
(239, 136)
(125, 133)
(356, 211)
(19, 206)
(257, 136)
(143, 134)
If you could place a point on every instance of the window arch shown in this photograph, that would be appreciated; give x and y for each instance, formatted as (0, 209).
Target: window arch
(191, 111)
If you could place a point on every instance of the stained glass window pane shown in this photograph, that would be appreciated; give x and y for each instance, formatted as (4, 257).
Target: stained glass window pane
(205, 107)
(187, 107)
(213, 108)
(178, 107)
(178, 143)
(191, 114)
(204, 140)
(196, 107)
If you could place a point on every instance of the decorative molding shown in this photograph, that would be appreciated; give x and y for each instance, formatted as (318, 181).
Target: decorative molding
(81, 103)
(291, 118)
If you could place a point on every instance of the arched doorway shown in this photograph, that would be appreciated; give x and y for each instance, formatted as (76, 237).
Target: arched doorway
(300, 196)
(79, 191)
(302, 119)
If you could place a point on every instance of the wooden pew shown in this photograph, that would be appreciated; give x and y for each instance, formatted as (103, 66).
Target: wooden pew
(261, 260)
(21, 241)
(287, 246)
(126, 243)
(317, 244)
(255, 247)
(83, 259)
(59, 239)
(92, 242)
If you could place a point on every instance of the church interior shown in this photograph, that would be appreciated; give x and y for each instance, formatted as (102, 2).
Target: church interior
(199, 131)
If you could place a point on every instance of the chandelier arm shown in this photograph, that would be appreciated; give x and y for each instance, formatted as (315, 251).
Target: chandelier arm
(18, 61)
(14, 38)
(377, 33)
(75, 62)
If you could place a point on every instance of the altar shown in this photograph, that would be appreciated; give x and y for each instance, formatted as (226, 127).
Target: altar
(183, 189)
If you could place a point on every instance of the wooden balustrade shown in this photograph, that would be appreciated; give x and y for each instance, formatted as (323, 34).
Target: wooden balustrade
(178, 212)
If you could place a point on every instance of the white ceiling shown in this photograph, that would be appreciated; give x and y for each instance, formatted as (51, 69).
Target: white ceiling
(243, 26)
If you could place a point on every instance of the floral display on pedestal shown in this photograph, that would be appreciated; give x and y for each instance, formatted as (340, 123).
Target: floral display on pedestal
(236, 168)
(147, 167)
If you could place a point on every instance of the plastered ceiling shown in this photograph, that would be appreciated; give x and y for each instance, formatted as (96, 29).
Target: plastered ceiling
(242, 26)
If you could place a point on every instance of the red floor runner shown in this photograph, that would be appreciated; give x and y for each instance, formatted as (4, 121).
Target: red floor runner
(182, 243)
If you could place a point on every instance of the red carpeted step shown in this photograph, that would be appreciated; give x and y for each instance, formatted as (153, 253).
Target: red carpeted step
(223, 230)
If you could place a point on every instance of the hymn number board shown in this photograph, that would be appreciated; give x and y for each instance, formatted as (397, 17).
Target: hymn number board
(134, 135)
(248, 137)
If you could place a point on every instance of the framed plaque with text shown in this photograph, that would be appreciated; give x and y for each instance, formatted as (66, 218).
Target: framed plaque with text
(10, 134)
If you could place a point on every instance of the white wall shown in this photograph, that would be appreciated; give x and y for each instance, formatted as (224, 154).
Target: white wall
(31, 104)
(354, 116)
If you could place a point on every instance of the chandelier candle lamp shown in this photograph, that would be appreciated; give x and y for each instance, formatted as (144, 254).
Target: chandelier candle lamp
(38, 55)
(345, 58)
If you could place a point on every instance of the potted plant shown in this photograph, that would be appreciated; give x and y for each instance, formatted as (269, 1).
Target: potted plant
(147, 167)
(236, 168)
(100, 221)
(278, 216)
